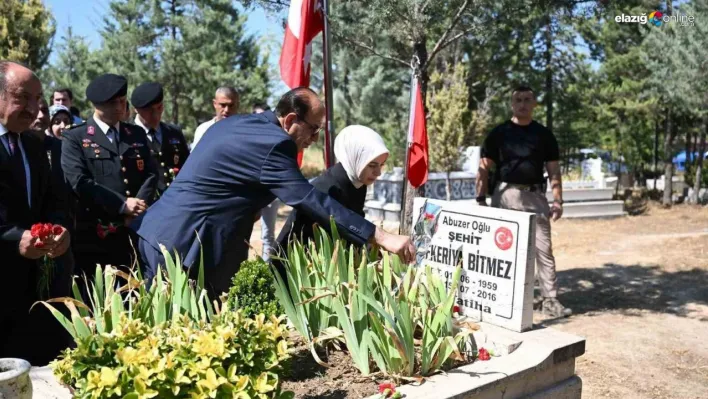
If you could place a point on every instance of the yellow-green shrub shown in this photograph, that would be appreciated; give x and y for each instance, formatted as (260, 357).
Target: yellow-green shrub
(232, 356)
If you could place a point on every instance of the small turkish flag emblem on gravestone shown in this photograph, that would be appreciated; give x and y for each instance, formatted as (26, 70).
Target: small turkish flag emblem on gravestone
(503, 238)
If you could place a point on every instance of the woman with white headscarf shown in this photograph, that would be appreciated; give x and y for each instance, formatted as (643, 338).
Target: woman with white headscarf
(361, 154)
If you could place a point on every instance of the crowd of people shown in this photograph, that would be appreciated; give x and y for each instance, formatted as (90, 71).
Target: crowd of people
(123, 188)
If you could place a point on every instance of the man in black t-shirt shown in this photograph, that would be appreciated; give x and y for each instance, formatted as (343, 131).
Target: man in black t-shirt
(520, 148)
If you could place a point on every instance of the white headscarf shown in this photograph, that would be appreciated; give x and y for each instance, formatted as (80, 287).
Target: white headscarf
(356, 146)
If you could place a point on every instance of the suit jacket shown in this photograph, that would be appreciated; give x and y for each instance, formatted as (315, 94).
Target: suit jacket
(236, 170)
(335, 183)
(16, 216)
(52, 147)
(171, 153)
(102, 176)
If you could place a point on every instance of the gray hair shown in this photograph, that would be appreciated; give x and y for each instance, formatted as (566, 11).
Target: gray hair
(227, 91)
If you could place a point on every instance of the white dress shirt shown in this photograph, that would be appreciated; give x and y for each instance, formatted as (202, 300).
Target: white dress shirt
(201, 129)
(158, 131)
(104, 128)
(6, 142)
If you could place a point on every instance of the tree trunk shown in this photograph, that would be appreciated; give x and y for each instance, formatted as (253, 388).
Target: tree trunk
(699, 163)
(669, 7)
(689, 151)
(669, 134)
(656, 151)
(548, 97)
(175, 83)
(448, 186)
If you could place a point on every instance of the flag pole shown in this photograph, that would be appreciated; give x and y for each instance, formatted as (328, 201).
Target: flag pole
(329, 93)
(404, 183)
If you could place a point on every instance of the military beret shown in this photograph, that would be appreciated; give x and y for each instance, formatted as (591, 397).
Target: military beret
(146, 95)
(106, 87)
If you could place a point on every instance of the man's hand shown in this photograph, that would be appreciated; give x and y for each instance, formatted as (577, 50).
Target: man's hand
(556, 211)
(400, 245)
(28, 250)
(62, 243)
(134, 207)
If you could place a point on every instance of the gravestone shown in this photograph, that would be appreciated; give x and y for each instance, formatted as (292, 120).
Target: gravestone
(494, 247)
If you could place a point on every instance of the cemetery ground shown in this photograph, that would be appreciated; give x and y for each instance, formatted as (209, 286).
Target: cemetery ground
(638, 287)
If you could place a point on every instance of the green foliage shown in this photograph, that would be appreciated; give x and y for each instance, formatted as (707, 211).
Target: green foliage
(449, 118)
(26, 31)
(252, 290)
(232, 356)
(377, 308)
(171, 296)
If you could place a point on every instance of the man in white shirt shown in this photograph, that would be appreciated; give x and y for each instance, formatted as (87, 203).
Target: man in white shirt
(226, 103)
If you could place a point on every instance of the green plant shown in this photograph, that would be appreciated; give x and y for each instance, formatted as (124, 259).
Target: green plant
(168, 298)
(399, 317)
(232, 356)
(253, 290)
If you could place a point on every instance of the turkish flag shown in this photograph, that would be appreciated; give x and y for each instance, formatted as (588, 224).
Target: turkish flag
(305, 21)
(417, 139)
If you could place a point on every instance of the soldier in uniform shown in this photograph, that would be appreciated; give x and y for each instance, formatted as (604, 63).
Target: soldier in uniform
(167, 143)
(108, 166)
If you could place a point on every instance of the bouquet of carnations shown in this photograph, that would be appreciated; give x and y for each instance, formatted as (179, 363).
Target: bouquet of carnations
(44, 232)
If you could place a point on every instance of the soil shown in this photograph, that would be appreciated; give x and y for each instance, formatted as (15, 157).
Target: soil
(638, 287)
(341, 380)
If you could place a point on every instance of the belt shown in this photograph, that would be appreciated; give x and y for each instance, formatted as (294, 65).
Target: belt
(540, 187)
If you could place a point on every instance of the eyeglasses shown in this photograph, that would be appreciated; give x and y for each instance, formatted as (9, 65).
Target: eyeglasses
(315, 128)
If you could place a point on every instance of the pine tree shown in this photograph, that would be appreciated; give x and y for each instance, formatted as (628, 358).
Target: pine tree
(26, 32)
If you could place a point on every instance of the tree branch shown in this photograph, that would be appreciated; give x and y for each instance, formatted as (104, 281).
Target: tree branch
(371, 50)
(449, 42)
(453, 24)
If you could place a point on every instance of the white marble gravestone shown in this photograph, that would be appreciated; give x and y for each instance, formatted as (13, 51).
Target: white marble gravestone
(494, 247)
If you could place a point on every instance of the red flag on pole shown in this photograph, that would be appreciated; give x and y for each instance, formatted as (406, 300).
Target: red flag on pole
(305, 21)
(417, 139)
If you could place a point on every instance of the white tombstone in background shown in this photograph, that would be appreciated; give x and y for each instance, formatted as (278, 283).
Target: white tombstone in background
(470, 159)
(592, 170)
(494, 247)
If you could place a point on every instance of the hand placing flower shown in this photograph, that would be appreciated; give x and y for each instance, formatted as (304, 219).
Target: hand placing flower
(47, 237)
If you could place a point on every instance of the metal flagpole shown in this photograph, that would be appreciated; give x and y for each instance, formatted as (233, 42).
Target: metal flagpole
(329, 93)
(409, 141)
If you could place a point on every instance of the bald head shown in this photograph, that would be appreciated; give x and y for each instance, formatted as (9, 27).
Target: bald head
(301, 113)
(20, 93)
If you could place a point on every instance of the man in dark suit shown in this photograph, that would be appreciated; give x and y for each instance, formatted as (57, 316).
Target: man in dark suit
(108, 166)
(26, 198)
(167, 143)
(234, 172)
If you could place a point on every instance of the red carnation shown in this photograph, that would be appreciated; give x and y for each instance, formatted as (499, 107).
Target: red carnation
(39, 244)
(387, 389)
(36, 230)
(57, 230)
(100, 232)
(175, 170)
(46, 230)
(456, 309)
(112, 228)
(483, 354)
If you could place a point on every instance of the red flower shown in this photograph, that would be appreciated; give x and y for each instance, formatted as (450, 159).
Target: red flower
(483, 354)
(175, 170)
(456, 309)
(57, 230)
(100, 231)
(112, 228)
(46, 230)
(36, 230)
(387, 389)
(39, 244)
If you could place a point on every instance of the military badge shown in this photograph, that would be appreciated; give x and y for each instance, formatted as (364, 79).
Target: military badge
(86, 140)
(141, 165)
(90, 131)
(85, 145)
